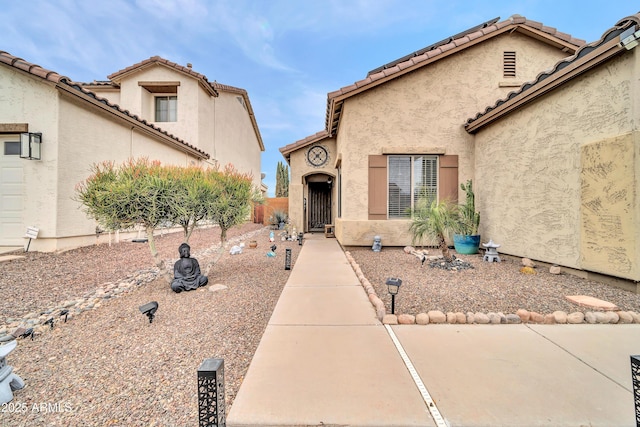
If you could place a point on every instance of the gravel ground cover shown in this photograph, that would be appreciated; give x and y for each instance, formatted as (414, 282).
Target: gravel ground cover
(109, 366)
(487, 287)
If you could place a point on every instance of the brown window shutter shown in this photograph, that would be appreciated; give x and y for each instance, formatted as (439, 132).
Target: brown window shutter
(448, 178)
(377, 187)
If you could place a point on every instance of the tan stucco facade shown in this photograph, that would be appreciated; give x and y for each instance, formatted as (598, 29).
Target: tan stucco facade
(78, 130)
(571, 164)
(553, 152)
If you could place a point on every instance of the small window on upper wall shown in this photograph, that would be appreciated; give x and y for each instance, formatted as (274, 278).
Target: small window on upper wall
(509, 64)
(166, 108)
(12, 148)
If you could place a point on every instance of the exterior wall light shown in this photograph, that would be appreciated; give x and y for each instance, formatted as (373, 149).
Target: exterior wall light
(30, 145)
(393, 285)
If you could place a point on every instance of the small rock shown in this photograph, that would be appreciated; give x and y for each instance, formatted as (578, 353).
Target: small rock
(524, 315)
(436, 316)
(406, 319)
(494, 318)
(481, 318)
(560, 317)
(555, 269)
(602, 317)
(217, 287)
(471, 318)
(461, 318)
(535, 317)
(612, 316)
(625, 317)
(422, 319)
(526, 262)
(635, 315)
(451, 318)
(409, 249)
(590, 317)
(390, 319)
(513, 319)
(575, 318)
(549, 319)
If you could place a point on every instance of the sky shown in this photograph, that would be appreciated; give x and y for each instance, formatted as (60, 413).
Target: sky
(287, 54)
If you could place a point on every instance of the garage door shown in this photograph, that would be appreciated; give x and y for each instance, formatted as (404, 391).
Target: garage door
(11, 186)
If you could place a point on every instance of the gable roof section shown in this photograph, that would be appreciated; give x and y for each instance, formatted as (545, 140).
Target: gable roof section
(118, 76)
(245, 96)
(312, 139)
(442, 50)
(211, 88)
(66, 85)
(586, 58)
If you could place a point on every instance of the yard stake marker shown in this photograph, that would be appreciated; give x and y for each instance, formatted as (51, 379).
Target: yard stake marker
(435, 413)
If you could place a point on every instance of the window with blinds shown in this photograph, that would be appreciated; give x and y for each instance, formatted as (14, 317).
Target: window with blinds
(509, 64)
(166, 108)
(411, 178)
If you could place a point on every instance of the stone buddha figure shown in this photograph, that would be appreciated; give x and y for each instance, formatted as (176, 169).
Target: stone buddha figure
(186, 272)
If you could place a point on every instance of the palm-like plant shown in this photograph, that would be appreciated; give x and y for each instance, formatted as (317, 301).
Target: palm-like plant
(434, 220)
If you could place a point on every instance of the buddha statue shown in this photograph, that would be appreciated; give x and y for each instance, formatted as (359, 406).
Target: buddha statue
(186, 272)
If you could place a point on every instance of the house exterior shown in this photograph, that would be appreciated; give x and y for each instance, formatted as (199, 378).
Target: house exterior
(554, 168)
(568, 144)
(155, 109)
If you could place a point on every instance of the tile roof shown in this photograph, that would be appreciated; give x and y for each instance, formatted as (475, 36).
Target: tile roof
(442, 49)
(156, 60)
(65, 83)
(548, 77)
(317, 137)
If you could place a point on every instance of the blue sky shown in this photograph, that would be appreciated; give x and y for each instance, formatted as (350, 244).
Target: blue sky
(288, 54)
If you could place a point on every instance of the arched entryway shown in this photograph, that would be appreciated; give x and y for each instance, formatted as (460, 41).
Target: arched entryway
(318, 202)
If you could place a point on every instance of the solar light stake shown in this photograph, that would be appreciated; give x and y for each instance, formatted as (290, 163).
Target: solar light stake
(149, 310)
(393, 285)
(635, 380)
(287, 259)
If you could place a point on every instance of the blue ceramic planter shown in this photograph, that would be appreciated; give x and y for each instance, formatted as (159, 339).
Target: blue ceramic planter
(466, 245)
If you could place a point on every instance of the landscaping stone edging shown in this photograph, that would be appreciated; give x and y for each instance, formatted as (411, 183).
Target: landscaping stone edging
(521, 316)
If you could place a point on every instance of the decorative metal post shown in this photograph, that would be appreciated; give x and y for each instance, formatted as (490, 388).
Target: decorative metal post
(287, 259)
(211, 411)
(635, 379)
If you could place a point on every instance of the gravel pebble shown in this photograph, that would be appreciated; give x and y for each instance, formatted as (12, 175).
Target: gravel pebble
(109, 366)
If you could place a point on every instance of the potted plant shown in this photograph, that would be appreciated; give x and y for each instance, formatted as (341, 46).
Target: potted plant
(466, 239)
(435, 220)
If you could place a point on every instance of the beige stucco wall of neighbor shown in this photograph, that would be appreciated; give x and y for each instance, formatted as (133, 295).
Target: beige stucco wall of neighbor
(234, 139)
(24, 98)
(558, 180)
(301, 170)
(424, 112)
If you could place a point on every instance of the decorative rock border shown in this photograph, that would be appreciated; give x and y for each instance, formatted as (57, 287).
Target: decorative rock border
(15, 327)
(521, 316)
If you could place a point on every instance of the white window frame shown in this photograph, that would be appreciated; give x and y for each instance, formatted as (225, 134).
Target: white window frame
(403, 212)
(172, 99)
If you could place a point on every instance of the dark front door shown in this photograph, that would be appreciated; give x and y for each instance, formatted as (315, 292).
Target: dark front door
(319, 206)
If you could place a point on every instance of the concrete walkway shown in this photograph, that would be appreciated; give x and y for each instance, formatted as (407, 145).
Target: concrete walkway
(325, 359)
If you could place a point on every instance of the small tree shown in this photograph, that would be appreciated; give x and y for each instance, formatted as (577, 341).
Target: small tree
(434, 220)
(139, 192)
(231, 199)
(193, 192)
(282, 180)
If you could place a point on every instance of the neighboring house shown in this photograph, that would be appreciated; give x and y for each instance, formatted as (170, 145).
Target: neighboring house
(541, 185)
(155, 109)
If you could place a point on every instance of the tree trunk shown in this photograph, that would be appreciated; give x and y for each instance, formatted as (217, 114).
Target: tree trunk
(156, 256)
(445, 249)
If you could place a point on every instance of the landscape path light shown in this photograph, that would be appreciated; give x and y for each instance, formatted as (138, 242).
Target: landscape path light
(393, 285)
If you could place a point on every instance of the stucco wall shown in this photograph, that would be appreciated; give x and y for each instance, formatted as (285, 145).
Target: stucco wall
(424, 112)
(235, 141)
(301, 169)
(557, 180)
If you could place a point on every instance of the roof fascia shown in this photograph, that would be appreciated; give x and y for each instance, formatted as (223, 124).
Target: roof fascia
(603, 53)
(203, 84)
